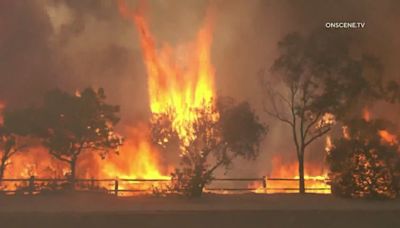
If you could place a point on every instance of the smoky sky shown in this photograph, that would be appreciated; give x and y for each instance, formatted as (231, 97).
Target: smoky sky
(73, 44)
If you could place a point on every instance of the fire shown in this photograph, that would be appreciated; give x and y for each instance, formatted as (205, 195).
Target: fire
(137, 158)
(345, 132)
(385, 135)
(2, 106)
(328, 144)
(315, 177)
(35, 162)
(283, 169)
(257, 187)
(178, 82)
(366, 114)
(388, 137)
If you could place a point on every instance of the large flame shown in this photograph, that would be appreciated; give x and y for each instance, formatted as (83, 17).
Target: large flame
(178, 82)
(137, 158)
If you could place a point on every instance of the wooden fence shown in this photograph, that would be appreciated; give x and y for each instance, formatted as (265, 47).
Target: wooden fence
(32, 185)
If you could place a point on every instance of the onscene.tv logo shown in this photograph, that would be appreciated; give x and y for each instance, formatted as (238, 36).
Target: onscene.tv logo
(345, 25)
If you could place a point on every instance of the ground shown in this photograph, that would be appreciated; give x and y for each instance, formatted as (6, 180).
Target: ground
(247, 210)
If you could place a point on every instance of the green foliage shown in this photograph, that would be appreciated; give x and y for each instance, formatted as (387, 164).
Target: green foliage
(363, 164)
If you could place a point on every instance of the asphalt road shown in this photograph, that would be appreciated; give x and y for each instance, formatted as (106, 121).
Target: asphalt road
(283, 210)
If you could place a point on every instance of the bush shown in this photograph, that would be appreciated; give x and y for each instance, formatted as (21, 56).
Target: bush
(363, 164)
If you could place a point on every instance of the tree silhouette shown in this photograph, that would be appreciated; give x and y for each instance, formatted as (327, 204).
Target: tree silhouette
(69, 125)
(220, 136)
(362, 163)
(10, 144)
(318, 83)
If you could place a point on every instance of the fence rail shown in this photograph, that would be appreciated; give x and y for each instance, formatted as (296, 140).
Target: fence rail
(116, 184)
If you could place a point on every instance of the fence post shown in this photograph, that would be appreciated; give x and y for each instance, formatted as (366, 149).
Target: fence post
(92, 183)
(116, 187)
(264, 184)
(31, 185)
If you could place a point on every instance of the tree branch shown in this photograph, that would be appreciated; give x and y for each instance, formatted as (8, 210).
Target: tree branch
(314, 121)
(321, 133)
(279, 117)
(59, 157)
(294, 126)
(222, 161)
(17, 149)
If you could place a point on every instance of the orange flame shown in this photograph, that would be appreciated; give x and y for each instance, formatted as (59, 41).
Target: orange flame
(314, 177)
(35, 162)
(178, 82)
(388, 137)
(328, 144)
(174, 84)
(137, 158)
(366, 114)
(2, 106)
(385, 135)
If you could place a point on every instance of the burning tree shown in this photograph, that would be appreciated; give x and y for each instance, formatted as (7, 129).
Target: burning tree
(318, 83)
(182, 103)
(217, 138)
(363, 164)
(69, 125)
(10, 143)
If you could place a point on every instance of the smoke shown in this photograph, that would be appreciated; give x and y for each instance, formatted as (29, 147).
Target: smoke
(72, 44)
(28, 61)
(250, 34)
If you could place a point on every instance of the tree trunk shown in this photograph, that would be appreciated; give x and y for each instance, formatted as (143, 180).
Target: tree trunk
(73, 171)
(197, 191)
(197, 182)
(3, 166)
(302, 189)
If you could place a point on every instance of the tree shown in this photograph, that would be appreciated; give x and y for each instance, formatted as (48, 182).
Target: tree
(69, 125)
(318, 83)
(362, 163)
(10, 144)
(219, 136)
